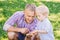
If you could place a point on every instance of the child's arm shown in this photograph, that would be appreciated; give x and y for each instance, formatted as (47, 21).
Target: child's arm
(36, 32)
(42, 31)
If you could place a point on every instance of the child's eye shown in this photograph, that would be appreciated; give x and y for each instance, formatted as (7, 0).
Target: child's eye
(43, 13)
(39, 15)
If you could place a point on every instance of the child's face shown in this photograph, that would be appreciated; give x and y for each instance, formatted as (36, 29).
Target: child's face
(40, 16)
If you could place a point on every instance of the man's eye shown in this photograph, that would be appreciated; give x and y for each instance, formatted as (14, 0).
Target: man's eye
(32, 16)
(28, 16)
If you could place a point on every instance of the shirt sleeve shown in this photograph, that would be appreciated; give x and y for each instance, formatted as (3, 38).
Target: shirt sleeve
(48, 27)
(11, 21)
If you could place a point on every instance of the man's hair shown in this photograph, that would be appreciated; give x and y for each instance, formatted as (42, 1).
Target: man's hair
(42, 9)
(31, 7)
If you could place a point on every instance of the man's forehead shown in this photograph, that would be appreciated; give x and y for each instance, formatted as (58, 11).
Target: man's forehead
(30, 14)
(28, 10)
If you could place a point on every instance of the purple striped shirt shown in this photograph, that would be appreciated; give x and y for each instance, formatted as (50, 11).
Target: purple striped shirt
(18, 19)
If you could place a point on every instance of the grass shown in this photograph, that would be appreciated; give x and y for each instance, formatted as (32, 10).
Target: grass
(7, 8)
(55, 20)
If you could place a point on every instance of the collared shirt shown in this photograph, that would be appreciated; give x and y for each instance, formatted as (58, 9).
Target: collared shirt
(18, 19)
(46, 26)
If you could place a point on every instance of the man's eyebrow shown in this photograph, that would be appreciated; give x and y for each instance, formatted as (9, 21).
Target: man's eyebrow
(32, 16)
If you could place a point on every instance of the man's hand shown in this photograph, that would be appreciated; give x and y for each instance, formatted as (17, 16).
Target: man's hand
(35, 32)
(24, 30)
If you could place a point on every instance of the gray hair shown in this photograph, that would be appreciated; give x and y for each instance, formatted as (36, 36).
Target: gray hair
(31, 7)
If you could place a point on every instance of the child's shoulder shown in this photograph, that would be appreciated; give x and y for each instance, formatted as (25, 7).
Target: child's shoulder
(46, 21)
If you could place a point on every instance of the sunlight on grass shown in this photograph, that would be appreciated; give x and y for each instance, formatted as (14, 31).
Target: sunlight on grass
(3, 0)
(56, 0)
(8, 7)
(53, 17)
(1, 9)
(2, 17)
(3, 38)
(57, 33)
(55, 20)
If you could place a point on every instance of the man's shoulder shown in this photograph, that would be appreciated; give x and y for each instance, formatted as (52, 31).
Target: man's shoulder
(19, 13)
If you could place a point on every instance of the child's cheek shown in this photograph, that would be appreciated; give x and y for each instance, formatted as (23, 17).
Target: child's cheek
(43, 17)
(39, 18)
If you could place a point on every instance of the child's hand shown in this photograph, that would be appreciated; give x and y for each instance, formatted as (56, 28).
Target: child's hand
(35, 32)
(29, 35)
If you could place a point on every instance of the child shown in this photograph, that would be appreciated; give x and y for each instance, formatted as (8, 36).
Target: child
(44, 26)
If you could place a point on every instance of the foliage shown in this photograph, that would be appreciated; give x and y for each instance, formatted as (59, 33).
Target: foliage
(8, 7)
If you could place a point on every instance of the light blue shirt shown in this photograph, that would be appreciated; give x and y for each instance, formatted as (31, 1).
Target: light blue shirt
(45, 25)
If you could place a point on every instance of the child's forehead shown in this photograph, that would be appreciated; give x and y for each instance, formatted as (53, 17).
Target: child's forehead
(41, 12)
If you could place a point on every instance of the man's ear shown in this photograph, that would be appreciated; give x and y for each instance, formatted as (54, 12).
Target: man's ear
(24, 11)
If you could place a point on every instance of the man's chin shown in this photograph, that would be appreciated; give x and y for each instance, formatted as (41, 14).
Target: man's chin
(29, 22)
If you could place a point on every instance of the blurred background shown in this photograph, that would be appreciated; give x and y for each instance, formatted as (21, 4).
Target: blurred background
(8, 7)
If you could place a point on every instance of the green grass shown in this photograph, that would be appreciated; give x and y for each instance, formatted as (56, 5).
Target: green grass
(55, 20)
(7, 8)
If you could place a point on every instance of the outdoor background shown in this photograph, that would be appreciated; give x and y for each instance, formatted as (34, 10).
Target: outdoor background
(8, 7)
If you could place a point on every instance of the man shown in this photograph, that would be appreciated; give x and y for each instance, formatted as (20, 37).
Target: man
(25, 21)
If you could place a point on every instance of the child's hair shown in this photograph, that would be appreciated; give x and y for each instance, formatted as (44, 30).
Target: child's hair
(42, 9)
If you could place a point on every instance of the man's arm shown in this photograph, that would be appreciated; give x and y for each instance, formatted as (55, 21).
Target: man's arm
(9, 24)
(14, 29)
(11, 21)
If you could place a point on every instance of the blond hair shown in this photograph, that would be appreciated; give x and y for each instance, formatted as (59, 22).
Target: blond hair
(42, 9)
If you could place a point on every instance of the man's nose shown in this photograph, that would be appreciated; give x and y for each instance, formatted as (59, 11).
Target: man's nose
(30, 18)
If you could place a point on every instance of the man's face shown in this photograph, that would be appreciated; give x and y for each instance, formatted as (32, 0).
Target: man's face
(29, 15)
